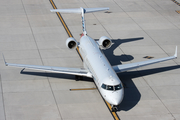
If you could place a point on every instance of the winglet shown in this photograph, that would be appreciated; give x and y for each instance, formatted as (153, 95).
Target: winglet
(4, 60)
(175, 55)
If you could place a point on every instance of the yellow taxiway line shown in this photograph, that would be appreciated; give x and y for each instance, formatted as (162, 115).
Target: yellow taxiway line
(178, 11)
(64, 24)
(61, 19)
(114, 114)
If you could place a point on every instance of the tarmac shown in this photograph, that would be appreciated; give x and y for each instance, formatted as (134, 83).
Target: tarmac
(31, 34)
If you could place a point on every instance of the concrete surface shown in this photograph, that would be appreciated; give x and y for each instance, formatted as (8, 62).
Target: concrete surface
(31, 34)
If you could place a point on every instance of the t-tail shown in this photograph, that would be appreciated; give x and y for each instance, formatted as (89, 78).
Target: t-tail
(81, 11)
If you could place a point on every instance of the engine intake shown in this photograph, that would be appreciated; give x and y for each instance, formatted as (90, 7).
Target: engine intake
(105, 42)
(71, 43)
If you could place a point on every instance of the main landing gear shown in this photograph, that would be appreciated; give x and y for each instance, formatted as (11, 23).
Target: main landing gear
(78, 77)
(114, 108)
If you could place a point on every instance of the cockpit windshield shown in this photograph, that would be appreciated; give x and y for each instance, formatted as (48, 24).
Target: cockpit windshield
(111, 88)
(118, 87)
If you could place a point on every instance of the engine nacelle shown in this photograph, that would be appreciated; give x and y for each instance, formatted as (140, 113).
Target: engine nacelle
(105, 42)
(71, 43)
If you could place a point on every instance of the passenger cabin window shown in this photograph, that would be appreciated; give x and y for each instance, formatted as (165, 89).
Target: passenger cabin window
(111, 88)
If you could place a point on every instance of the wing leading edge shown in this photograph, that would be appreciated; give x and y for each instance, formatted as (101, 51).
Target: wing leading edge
(65, 70)
(126, 67)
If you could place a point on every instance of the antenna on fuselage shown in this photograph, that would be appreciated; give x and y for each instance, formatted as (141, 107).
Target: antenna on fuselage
(81, 11)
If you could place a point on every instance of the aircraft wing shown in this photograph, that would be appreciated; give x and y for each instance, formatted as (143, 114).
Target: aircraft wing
(126, 67)
(64, 70)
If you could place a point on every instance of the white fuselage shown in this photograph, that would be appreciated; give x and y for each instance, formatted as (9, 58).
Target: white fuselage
(101, 70)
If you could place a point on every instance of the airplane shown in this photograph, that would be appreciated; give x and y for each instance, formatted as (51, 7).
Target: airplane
(95, 63)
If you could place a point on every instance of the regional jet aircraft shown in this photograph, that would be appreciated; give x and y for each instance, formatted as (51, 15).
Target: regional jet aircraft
(96, 65)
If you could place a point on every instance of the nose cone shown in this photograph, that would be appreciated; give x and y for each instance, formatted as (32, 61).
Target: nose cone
(116, 97)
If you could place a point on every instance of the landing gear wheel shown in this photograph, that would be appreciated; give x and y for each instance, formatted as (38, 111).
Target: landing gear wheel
(114, 108)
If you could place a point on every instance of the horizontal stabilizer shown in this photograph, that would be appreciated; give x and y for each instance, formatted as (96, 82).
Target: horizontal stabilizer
(79, 10)
(89, 10)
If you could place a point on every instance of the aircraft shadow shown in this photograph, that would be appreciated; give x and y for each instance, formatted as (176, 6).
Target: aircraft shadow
(131, 94)
(116, 59)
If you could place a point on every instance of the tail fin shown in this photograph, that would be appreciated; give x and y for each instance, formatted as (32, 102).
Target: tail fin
(81, 11)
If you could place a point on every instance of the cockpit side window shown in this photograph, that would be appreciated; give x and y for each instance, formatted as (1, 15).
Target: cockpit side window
(103, 86)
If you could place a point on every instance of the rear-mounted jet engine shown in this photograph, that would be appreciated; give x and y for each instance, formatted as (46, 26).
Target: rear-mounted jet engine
(105, 42)
(71, 43)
